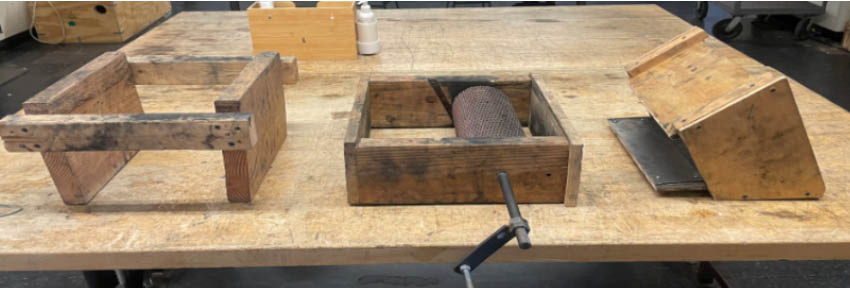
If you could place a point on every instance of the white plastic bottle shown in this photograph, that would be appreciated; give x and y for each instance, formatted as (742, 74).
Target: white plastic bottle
(367, 30)
(266, 4)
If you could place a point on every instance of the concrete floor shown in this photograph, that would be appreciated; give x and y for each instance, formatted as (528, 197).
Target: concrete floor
(28, 67)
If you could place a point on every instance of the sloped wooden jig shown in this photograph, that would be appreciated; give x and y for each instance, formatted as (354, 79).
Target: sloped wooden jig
(89, 124)
(740, 125)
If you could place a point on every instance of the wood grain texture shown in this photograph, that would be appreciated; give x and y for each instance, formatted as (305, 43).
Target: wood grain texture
(459, 170)
(96, 21)
(199, 70)
(412, 101)
(123, 132)
(667, 50)
(257, 90)
(325, 32)
(102, 86)
(168, 209)
(845, 42)
(756, 148)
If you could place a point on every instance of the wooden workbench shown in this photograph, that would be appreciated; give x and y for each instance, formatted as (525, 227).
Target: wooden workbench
(168, 209)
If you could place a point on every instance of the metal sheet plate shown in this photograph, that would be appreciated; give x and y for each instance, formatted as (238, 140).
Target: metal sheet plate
(665, 162)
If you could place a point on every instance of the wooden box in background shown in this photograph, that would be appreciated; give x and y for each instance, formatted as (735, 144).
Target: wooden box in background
(400, 146)
(324, 32)
(95, 22)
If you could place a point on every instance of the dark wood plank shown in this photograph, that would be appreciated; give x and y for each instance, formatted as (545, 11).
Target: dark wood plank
(124, 132)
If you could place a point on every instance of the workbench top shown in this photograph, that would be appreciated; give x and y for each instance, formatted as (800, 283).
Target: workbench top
(168, 208)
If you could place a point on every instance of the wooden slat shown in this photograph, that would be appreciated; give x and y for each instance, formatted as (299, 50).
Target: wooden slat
(756, 148)
(60, 133)
(199, 70)
(661, 53)
(457, 170)
(103, 86)
(257, 90)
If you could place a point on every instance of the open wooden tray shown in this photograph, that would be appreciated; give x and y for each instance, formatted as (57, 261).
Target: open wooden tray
(544, 167)
(89, 124)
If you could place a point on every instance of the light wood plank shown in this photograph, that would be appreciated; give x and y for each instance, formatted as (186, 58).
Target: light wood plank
(257, 90)
(63, 133)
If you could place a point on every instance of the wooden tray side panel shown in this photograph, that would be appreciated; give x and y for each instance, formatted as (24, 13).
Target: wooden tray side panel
(103, 86)
(451, 170)
(547, 119)
(413, 101)
(257, 90)
(325, 33)
(756, 148)
(358, 127)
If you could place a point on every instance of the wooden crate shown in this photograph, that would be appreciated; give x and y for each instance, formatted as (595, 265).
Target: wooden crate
(97, 21)
(324, 32)
(544, 168)
(740, 124)
(88, 125)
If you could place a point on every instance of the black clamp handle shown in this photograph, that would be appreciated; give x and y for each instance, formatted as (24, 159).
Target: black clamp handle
(517, 227)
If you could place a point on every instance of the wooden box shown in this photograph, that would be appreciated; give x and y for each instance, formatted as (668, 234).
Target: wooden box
(740, 125)
(324, 32)
(96, 21)
(407, 169)
(88, 125)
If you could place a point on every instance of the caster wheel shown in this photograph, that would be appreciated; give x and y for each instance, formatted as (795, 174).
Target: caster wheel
(801, 31)
(719, 29)
(702, 10)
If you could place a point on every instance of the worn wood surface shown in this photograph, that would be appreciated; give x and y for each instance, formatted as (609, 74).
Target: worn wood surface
(125, 132)
(102, 86)
(167, 209)
(201, 70)
(257, 90)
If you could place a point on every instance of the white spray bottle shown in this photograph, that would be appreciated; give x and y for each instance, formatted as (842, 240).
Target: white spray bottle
(367, 30)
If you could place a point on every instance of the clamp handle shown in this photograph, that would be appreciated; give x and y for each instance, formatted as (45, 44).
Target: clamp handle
(519, 226)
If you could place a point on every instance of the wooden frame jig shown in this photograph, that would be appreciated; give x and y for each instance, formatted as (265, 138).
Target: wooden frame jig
(544, 168)
(89, 124)
(740, 125)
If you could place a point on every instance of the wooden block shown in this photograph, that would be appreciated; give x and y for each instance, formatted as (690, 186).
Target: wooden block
(257, 90)
(103, 86)
(95, 21)
(744, 131)
(199, 70)
(326, 32)
(456, 170)
(60, 133)
(756, 148)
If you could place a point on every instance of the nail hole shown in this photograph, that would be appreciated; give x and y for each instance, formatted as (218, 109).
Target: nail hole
(217, 127)
(237, 128)
(37, 146)
(24, 130)
(808, 193)
(772, 90)
(100, 9)
(745, 196)
(231, 144)
(548, 174)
